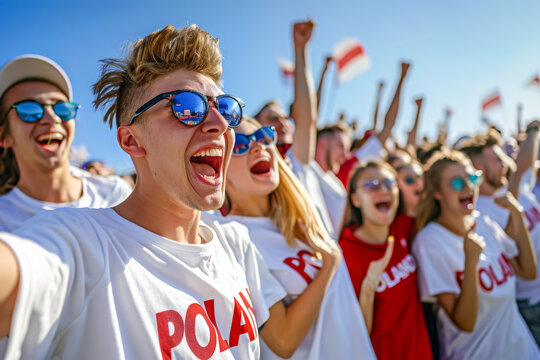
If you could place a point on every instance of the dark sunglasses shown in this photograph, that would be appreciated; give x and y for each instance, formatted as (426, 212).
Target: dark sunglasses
(265, 136)
(191, 107)
(472, 180)
(373, 185)
(31, 111)
(409, 180)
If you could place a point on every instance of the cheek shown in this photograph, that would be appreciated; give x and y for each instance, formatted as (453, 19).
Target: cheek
(237, 170)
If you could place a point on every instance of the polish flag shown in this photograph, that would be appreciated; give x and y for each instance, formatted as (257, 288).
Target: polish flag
(535, 81)
(491, 101)
(351, 59)
(287, 68)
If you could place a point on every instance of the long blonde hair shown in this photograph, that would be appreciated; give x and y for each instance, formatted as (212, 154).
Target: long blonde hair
(289, 202)
(430, 208)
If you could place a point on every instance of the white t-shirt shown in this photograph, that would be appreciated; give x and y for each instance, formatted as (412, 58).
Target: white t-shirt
(499, 332)
(339, 332)
(372, 150)
(98, 192)
(94, 285)
(333, 192)
(525, 289)
(308, 178)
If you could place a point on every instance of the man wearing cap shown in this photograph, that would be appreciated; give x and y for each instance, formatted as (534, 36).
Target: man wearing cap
(37, 126)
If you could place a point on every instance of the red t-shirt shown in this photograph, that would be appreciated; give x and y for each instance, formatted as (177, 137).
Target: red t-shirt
(345, 170)
(399, 330)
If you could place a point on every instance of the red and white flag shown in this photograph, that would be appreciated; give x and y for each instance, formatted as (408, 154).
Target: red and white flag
(494, 99)
(535, 81)
(351, 59)
(287, 68)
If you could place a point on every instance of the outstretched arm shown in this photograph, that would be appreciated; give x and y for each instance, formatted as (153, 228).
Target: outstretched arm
(321, 81)
(411, 140)
(377, 104)
(304, 109)
(528, 151)
(391, 114)
(9, 279)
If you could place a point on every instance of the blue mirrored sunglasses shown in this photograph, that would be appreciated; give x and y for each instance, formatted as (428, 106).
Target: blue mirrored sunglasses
(472, 180)
(31, 111)
(373, 185)
(264, 136)
(191, 107)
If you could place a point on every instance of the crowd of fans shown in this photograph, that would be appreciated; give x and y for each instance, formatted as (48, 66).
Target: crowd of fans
(244, 237)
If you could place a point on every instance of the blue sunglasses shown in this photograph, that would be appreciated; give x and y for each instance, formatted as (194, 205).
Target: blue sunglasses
(472, 180)
(31, 111)
(265, 136)
(191, 107)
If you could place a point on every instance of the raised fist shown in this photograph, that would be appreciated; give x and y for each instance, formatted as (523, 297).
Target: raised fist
(302, 32)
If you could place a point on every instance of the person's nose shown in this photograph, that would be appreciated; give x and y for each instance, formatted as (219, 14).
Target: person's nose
(214, 122)
(49, 116)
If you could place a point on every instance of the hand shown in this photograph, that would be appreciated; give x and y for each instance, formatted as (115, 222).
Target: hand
(508, 202)
(302, 32)
(328, 60)
(381, 85)
(473, 244)
(404, 69)
(328, 251)
(419, 102)
(376, 267)
(533, 126)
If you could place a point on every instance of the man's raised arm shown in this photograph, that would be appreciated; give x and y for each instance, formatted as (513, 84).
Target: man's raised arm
(9, 280)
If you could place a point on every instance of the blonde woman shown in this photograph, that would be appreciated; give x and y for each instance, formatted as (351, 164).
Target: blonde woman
(469, 264)
(375, 246)
(266, 200)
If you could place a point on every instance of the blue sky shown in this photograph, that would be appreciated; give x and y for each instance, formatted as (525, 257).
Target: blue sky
(460, 50)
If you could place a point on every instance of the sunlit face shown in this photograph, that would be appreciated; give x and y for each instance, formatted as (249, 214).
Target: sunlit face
(338, 150)
(411, 184)
(453, 202)
(42, 145)
(254, 173)
(274, 116)
(379, 204)
(187, 163)
(493, 167)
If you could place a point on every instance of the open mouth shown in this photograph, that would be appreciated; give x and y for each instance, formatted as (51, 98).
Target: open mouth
(262, 167)
(208, 162)
(467, 202)
(51, 141)
(383, 206)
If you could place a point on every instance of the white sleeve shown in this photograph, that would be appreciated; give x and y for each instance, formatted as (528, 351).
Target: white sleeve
(372, 150)
(435, 273)
(45, 277)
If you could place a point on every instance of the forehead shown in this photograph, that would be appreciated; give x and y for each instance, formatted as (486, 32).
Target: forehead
(35, 90)
(455, 170)
(246, 128)
(376, 173)
(183, 80)
(273, 110)
(411, 169)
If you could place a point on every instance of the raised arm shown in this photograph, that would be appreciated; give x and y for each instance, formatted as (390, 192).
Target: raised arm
(9, 280)
(328, 60)
(391, 114)
(304, 109)
(528, 151)
(287, 327)
(411, 139)
(377, 104)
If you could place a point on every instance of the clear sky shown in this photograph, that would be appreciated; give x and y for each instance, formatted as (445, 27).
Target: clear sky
(461, 51)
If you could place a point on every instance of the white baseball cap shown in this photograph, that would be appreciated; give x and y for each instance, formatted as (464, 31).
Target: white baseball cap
(34, 67)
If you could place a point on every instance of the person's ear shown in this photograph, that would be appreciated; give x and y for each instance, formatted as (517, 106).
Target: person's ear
(129, 141)
(5, 140)
(355, 200)
(437, 195)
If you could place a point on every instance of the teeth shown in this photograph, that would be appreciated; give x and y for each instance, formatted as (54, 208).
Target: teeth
(209, 152)
(50, 137)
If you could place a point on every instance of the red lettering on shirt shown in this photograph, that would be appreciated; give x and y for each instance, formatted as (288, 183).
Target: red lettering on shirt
(490, 278)
(171, 328)
(533, 217)
(299, 263)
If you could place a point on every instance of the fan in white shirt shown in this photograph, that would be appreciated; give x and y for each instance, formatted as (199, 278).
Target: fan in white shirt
(487, 156)
(37, 126)
(470, 269)
(267, 199)
(146, 279)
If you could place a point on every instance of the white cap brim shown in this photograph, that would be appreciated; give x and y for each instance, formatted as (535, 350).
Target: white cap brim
(34, 67)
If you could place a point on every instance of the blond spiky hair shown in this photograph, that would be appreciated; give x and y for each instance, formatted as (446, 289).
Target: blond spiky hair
(118, 90)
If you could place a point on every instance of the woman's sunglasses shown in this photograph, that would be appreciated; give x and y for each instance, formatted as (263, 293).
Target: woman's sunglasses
(373, 185)
(472, 180)
(409, 180)
(191, 107)
(31, 111)
(265, 136)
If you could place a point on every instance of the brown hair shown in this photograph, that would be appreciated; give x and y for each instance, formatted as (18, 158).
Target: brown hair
(122, 80)
(257, 116)
(353, 215)
(289, 203)
(475, 145)
(430, 208)
(9, 170)
(332, 129)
